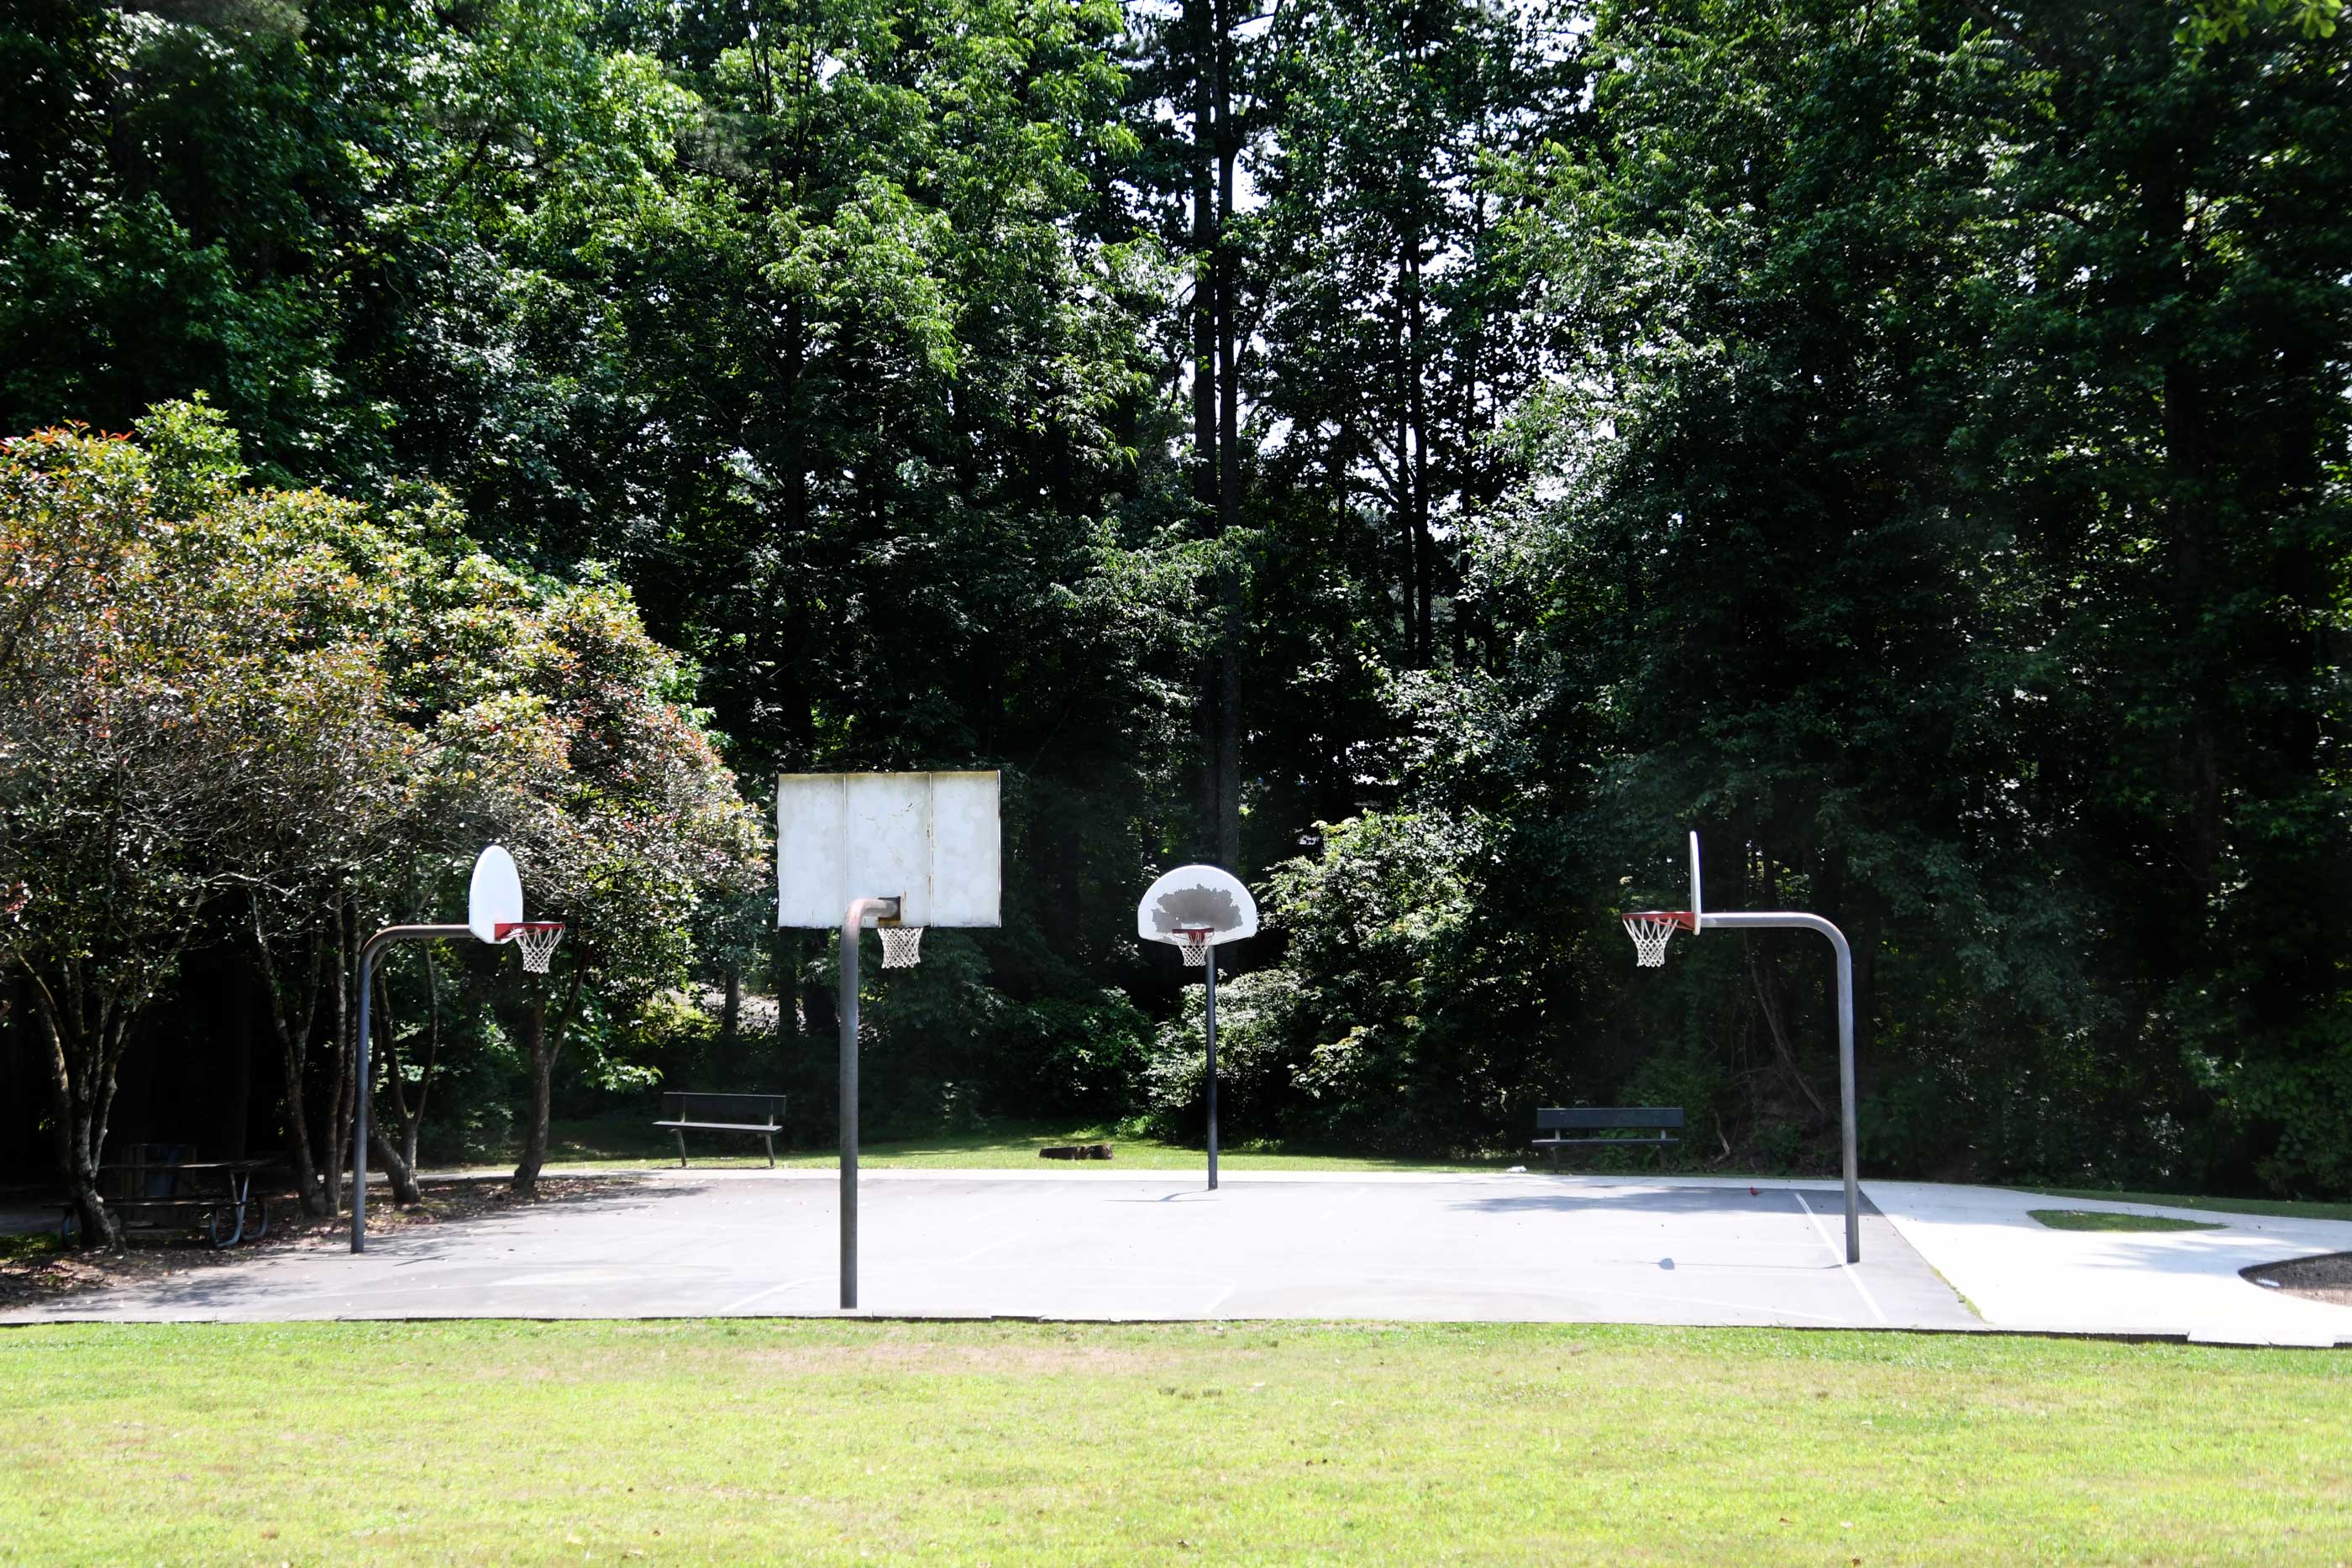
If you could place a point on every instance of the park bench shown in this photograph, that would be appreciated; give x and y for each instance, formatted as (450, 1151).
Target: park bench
(1611, 1123)
(687, 1112)
(171, 1194)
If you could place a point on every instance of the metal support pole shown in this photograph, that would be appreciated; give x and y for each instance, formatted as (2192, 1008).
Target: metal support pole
(1209, 1024)
(362, 1110)
(1711, 921)
(365, 1109)
(1846, 1095)
(851, 924)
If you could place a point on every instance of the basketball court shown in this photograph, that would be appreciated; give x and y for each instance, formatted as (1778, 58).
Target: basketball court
(1477, 1248)
(899, 852)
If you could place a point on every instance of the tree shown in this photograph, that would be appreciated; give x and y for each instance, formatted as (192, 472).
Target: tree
(1396, 343)
(625, 837)
(183, 693)
(1194, 97)
(2174, 196)
(1936, 515)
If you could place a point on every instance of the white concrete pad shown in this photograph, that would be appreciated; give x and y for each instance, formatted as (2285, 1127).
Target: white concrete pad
(1529, 1248)
(2021, 1274)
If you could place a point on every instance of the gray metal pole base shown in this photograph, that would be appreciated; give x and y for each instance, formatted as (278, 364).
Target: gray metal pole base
(1209, 1027)
(851, 923)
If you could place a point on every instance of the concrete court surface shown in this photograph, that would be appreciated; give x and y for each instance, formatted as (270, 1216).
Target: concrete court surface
(1495, 1248)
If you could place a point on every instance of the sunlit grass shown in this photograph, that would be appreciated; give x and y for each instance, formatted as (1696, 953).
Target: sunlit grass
(28, 1245)
(734, 1441)
(2284, 1208)
(614, 1142)
(2102, 1219)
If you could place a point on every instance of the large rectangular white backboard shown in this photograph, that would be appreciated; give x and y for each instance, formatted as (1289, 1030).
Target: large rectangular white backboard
(930, 839)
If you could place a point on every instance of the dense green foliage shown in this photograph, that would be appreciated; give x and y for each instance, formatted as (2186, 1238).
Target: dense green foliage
(1907, 444)
(239, 713)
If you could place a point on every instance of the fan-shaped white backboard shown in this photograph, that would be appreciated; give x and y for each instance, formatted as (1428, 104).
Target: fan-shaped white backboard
(932, 841)
(496, 897)
(1194, 898)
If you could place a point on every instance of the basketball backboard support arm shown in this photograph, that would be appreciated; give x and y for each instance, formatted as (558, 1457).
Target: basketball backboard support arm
(493, 914)
(363, 1110)
(1789, 919)
(1652, 928)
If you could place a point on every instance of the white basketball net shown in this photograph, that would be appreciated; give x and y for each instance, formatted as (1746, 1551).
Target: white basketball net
(902, 947)
(538, 946)
(1196, 948)
(1650, 936)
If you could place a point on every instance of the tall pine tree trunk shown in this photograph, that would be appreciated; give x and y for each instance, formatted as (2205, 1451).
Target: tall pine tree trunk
(1200, 22)
(1233, 630)
(1416, 463)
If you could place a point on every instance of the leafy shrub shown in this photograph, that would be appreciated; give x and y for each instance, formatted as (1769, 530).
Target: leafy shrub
(928, 1035)
(1255, 1018)
(1077, 1057)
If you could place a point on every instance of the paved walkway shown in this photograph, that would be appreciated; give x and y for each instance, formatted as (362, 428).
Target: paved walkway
(2021, 1274)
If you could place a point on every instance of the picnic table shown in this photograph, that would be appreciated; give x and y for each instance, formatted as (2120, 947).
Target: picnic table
(225, 1214)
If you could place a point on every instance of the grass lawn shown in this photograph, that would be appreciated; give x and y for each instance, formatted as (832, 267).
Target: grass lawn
(2284, 1208)
(613, 1141)
(2100, 1219)
(723, 1442)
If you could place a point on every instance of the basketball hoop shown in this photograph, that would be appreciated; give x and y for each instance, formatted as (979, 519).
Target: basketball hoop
(902, 947)
(1195, 944)
(1652, 930)
(536, 939)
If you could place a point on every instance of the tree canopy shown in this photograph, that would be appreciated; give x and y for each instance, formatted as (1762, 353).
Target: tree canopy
(1428, 454)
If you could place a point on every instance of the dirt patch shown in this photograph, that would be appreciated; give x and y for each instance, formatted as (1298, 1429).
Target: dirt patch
(35, 1269)
(2328, 1278)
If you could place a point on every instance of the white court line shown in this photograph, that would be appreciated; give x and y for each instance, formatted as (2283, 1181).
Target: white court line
(1838, 1253)
(733, 1307)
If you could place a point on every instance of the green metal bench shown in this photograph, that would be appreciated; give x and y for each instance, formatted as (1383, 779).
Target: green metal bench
(1611, 1123)
(684, 1111)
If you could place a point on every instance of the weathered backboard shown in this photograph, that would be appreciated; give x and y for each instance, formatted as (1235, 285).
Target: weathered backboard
(932, 841)
(1197, 898)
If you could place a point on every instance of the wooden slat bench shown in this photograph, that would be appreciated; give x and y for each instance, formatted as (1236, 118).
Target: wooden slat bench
(688, 1112)
(1611, 1122)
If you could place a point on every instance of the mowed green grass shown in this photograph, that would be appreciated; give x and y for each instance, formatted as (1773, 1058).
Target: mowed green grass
(608, 1143)
(2106, 1219)
(2280, 1207)
(734, 1441)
